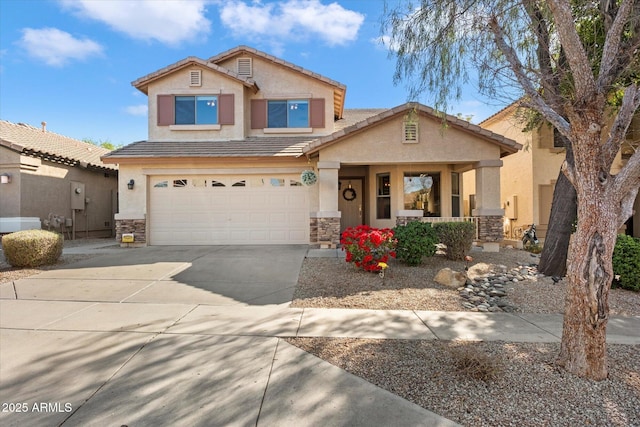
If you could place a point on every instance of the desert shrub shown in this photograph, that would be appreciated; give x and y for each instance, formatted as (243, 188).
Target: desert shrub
(32, 248)
(626, 262)
(366, 246)
(457, 236)
(473, 362)
(415, 241)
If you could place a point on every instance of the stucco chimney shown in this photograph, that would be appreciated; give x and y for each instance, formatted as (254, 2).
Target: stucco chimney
(44, 126)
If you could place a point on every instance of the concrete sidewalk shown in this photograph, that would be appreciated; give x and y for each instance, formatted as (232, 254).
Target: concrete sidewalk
(194, 336)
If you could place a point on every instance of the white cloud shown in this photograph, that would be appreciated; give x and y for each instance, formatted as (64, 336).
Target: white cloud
(170, 22)
(137, 110)
(292, 20)
(56, 47)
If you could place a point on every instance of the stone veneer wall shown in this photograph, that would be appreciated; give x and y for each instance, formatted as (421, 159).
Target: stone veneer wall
(325, 232)
(490, 228)
(136, 226)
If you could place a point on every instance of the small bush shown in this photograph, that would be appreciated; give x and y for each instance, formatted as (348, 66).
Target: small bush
(626, 262)
(457, 236)
(415, 241)
(32, 248)
(474, 363)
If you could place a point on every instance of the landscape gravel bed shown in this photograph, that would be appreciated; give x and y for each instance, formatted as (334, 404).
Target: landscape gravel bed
(526, 389)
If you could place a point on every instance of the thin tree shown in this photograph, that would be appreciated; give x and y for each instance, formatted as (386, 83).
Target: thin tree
(533, 51)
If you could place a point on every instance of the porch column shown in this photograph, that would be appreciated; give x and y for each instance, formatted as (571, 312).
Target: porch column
(325, 224)
(488, 207)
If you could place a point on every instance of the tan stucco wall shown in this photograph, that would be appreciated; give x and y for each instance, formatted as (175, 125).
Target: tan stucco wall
(45, 188)
(280, 82)
(133, 203)
(383, 144)
(274, 82)
(213, 83)
(10, 193)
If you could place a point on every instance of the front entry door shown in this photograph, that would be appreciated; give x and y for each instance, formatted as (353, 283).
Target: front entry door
(350, 203)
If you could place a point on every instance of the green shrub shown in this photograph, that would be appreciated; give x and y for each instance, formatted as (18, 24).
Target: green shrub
(32, 248)
(626, 262)
(415, 240)
(457, 236)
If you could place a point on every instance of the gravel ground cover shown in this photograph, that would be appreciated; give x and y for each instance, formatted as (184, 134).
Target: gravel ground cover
(472, 383)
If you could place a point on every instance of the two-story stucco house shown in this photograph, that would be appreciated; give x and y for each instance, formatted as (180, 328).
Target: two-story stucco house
(230, 136)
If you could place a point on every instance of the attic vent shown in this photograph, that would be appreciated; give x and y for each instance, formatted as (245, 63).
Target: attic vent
(244, 67)
(195, 78)
(410, 132)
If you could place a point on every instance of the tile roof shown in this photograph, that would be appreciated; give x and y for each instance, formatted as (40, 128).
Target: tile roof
(143, 82)
(339, 88)
(507, 146)
(250, 147)
(38, 142)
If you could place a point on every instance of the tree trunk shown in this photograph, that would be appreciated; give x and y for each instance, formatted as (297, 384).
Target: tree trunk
(553, 260)
(589, 272)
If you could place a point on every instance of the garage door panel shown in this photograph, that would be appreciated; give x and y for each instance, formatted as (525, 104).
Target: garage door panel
(257, 213)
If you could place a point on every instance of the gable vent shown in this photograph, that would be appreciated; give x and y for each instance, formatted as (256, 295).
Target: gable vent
(410, 132)
(195, 78)
(245, 67)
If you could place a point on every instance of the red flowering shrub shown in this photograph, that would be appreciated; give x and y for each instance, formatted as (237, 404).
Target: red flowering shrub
(367, 246)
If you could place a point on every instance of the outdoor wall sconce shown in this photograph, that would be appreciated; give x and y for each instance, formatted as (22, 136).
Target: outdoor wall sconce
(5, 178)
(130, 184)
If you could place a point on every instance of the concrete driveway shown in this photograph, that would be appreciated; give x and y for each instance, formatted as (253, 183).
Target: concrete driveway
(181, 336)
(208, 275)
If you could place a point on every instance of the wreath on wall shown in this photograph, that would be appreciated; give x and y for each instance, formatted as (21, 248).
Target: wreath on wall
(308, 177)
(349, 194)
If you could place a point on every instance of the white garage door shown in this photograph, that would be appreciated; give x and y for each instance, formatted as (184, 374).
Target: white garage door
(220, 210)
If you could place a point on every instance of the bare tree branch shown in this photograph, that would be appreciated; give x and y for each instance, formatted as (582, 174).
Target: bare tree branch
(630, 103)
(518, 69)
(612, 45)
(577, 57)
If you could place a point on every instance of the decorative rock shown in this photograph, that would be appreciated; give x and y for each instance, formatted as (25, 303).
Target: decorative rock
(450, 278)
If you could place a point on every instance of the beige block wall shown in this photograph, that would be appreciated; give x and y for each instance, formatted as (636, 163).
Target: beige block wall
(10, 193)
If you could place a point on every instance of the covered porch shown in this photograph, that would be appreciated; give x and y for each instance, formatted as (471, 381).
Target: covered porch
(405, 165)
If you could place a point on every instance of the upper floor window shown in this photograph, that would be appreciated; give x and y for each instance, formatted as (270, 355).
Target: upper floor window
(190, 111)
(196, 110)
(288, 113)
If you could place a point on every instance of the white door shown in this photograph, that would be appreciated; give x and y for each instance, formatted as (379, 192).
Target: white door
(229, 209)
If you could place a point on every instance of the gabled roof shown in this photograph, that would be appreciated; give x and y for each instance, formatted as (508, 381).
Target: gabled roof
(41, 143)
(142, 83)
(339, 90)
(251, 147)
(507, 146)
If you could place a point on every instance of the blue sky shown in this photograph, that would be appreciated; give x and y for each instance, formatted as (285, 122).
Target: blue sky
(71, 62)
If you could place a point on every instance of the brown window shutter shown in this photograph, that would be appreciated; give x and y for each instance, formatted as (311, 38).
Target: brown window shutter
(226, 109)
(165, 110)
(316, 113)
(258, 113)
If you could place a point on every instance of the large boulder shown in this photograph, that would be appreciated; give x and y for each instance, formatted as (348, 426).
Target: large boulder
(450, 278)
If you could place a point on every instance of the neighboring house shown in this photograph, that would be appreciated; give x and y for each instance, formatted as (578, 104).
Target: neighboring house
(230, 136)
(528, 177)
(53, 182)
